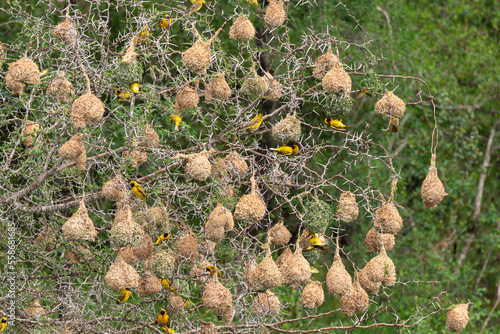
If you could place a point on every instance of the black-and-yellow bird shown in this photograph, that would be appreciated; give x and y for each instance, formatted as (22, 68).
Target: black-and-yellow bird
(196, 5)
(212, 270)
(394, 124)
(3, 324)
(335, 124)
(177, 120)
(123, 296)
(137, 189)
(165, 283)
(163, 318)
(168, 330)
(287, 149)
(122, 96)
(363, 91)
(166, 21)
(134, 87)
(254, 123)
(143, 35)
(255, 2)
(162, 237)
(317, 242)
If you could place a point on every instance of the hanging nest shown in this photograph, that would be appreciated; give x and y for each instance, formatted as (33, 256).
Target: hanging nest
(213, 231)
(61, 88)
(313, 295)
(221, 216)
(242, 29)
(234, 165)
(150, 138)
(374, 239)
(227, 197)
(356, 301)
(287, 130)
(324, 64)
(227, 315)
(164, 261)
(273, 87)
(367, 284)
(73, 150)
(295, 270)
(145, 249)
(317, 215)
(250, 207)
(126, 231)
(432, 188)
(348, 209)
(46, 239)
(138, 157)
(155, 220)
(186, 99)
(149, 285)
(266, 275)
(16, 87)
(127, 255)
(390, 105)
(266, 303)
(287, 253)
(121, 275)
(312, 256)
(279, 235)
(338, 280)
(217, 297)
(279, 181)
(275, 14)
(127, 73)
(457, 317)
(30, 134)
(224, 252)
(24, 70)
(380, 269)
(66, 32)
(208, 328)
(36, 309)
(337, 81)
(197, 165)
(198, 57)
(387, 219)
(218, 88)
(187, 246)
(86, 108)
(253, 85)
(115, 189)
(79, 227)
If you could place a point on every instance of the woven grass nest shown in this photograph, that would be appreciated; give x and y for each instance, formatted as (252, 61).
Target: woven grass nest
(232, 164)
(317, 215)
(128, 71)
(221, 216)
(348, 209)
(16, 87)
(198, 167)
(66, 32)
(287, 129)
(273, 90)
(338, 280)
(214, 232)
(138, 157)
(266, 275)
(127, 255)
(217, 298)
(275, 14)
(145, 249)
(283, 257)
(279, 235)
(155, 220)
(187, 246)
(279, 181)
(387, 219)
(457, 317)
(197, 58)
(295, 269)
(253, 85)
(266, 303)
(242, 29)
(357, 301)
(250, 207)
(324, 64)
(432, 188)
(149, 285)
(126, 231)
(379, 270)
(218, 88)
(121, 275)
(313, 295)
(86, 108)
(374, 239)
(115, 189)
(164, 261)
(390, 105)
(150, 138)
(208, 328)
(30, 134)
(199, 270)
(186, 98)
(61, 88)
(79, 227)
(337, 81)
(73, 150)
(24, 70)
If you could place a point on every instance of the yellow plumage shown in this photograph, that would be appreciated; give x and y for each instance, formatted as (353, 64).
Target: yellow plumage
(161, 238)
(137, 189)
(3, 324)
(317, 241)
(134, 86)
(335, 124)
(212, 270)
(196, 5)
(165, 283)
(122, 96)
(255, 2)
(168, 330)
(123, 296)
(163, 318)
(166, 21)
(255, 123)
(394, 124)
(177, 120)
(143, 35)
(286, 150)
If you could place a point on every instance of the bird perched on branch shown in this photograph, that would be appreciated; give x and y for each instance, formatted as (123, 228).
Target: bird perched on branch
(254, 2)
(287, 149)
(162, 237)
(166, 21)
(212, 270)
(165, 283)
(122, 96)
(196, 5)
(335, 124)
(168, 330)
(316, 242)
(3, 324)
(163, 318)
(364, 90)
(134, 87)
(137, 189)
(143, 35)
(123, 295)
(394, 124)
(177, 120)
(254, 123)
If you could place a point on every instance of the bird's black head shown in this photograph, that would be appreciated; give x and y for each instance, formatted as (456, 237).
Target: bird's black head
(132, 184)
(4, 320)
(162, 312)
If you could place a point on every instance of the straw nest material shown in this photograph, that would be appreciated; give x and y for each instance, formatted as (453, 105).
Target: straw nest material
(186, 98)
(198, 57)
(73, 150)
(149, 285)
(283, 257)
(127, 255)
(128, 72)
(208, 328)
(279, 181)
(242, 29)
(287, 129)
(213, 231)
(155, 220)
(313, 295)
(36, 309)
(371, 287)
(187, 246)
(24, 70)
(432, 188)
(221, 216)
(137, 157)
(273, 87)
(266, 303)
(356, 301)
(458, 317)
(390, 105)
(199, 270)
(374, 239)
(295, 270)
(115, 189)
(275, 14)
(317, 214)
(3, 53)
(86, 108)
(218, 88)
(79, 227)
(250, 207)
(387, 219)
(324, 64)
(338, 280)
(47, 239)
(61, 88)
(164, 261)
(121, 275)
(227, 315)
(348, 209)
(217, 297)
(177, 302)
(253, 85)
(30, 134)
(66, 32)
(150, 138)
(379, 269)
(16, 87)
(126, 231)
(197, 165)
(145, 249)
(233, 164)
(337, 81)
(279, 235)
(266, 275)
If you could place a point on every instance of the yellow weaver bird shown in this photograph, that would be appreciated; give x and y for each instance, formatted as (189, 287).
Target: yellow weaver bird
(394, 124)
(254, 123)
(162, 237)
(3, 324)
(364, 90)
(177, 120)
(314, 270)
(123, 295)
(197, 4)
(137, 189)
(212, 269)
(165, 283)
(163, 318)
(143, 35)
(168, 330)
(287, 150)
(166, 21)
(122, 96)
(335, 124)
(134, 86)
(254, 2)
(45, 71)
(316, 242)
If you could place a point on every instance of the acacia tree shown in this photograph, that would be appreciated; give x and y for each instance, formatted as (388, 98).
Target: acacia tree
(74, 137)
